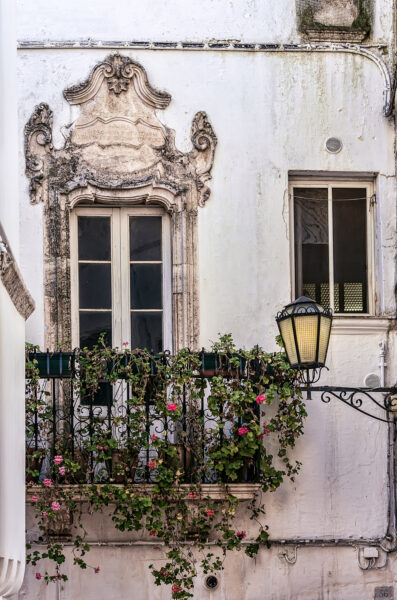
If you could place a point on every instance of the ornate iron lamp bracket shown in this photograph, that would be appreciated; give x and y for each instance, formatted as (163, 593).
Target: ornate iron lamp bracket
(363, 400)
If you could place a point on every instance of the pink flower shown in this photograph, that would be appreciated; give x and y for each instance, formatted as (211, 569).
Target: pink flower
(47, 482)
(265, 430)
(38, 575)
(125, 344)
(58, 460)
(241, 534)
(44, 515)
(172, 407)
(96, 570)
(176, 588)
(242, 430)
(261, 399)
(57, 576)
(62, 470)
(209, 512)
(152, 464)
(192, 495)
(34, 498)
(261, 436)
(152, 532)
(154, 437)
(56, 506)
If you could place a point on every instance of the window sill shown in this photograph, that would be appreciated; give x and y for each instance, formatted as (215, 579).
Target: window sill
(215, 491)
(360, 324)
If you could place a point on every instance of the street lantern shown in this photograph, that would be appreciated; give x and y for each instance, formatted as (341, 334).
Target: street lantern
(305, 328)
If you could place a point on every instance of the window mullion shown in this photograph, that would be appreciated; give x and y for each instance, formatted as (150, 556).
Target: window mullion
(125, 276)
(331, 251)
(116, 279)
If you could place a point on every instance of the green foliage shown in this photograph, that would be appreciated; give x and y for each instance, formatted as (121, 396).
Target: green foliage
(250, 411)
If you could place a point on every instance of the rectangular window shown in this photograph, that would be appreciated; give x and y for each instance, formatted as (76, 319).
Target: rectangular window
(332, 249)
(121, 277)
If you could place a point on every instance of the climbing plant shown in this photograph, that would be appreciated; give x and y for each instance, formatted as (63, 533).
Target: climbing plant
(153, 453)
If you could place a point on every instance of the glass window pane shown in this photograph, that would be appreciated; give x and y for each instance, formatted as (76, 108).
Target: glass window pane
(311, 244)
(92, 325)
(147, 330)
(146, 286)
(349, 207)
(95, 286)
(145, 238)
(94, 238)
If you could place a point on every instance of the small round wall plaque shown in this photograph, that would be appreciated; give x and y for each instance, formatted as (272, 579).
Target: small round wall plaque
(333, 145)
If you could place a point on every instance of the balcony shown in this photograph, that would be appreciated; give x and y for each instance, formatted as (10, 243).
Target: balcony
(120, 419)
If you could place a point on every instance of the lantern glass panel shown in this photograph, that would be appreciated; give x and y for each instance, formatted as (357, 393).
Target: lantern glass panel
(306, 327)
(289, 341)
(325, 326)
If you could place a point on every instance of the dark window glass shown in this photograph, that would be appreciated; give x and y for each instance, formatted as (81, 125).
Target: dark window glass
(349, 209)
(95, 286)
(145, 238)
(311, 244)
(94, 238)
(92, 324)
(146, 284)
(147, 331)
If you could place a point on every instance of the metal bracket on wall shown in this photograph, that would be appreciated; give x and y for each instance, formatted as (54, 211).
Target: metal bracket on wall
(364, 400)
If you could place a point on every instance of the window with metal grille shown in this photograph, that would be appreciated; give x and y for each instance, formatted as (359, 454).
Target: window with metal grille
(121, 277)
(332, 238)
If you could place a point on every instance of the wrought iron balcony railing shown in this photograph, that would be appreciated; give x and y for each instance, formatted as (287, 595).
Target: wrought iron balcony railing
(111, 437)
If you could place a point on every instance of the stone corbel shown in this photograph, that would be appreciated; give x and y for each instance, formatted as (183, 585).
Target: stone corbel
(204, 142)
(38, 146)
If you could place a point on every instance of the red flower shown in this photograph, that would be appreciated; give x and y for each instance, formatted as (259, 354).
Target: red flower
(172, 407)
(152, 532)
(96, 570)
(38, 575)
(152, 464)
(261, 436)
(242, 430)
(156, 548)
(241, 534)
(176, 588)
(261, 399)
(209, 512)
(265, 430)
(192, 495)
(154, 438)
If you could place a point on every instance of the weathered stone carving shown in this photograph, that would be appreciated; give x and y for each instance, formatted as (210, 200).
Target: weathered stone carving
(13, 282)
(38, 145)
(117, 152)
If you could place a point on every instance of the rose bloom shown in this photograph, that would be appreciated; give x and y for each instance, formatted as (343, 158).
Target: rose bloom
(176, 588)
(34, 498)
(265, 430)
(154, 437)
(242, 430)
(96, 570)
(209, 512)
(47, 482)
(58, 460)
(44, 515)
(241, 534)
(261, 399)
(192, 495)
(38, 575)
(152, 532)
(261, 436)
(56, 506)
(62, 470)
(152, 464)
(172, 407)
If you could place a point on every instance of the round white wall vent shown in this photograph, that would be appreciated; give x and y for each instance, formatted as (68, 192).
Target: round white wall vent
(333, 145)
(372, 380)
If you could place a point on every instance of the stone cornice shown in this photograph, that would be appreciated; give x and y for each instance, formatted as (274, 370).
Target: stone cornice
(13, 283)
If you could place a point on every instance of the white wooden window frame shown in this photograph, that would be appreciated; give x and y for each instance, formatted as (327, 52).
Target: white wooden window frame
(330, 185)
(120, 270)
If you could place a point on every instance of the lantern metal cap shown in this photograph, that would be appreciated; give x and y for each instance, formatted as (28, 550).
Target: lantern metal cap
(303, 305)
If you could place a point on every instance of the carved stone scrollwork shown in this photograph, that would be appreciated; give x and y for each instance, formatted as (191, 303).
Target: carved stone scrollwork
(119, 152)
(204, 141)
(38, 145)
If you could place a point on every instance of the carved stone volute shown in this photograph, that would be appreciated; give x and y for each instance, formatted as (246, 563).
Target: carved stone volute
(38, 145)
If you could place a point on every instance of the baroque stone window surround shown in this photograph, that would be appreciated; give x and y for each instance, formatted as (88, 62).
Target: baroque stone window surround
(118, 103)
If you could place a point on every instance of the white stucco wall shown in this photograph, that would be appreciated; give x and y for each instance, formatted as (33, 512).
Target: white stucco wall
(272, 113)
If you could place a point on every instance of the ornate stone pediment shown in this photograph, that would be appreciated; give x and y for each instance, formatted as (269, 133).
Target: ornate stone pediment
(118, 152)
(118, 139)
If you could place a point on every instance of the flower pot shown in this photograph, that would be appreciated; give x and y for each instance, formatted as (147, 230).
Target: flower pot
(122, 465)
(49, 365)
